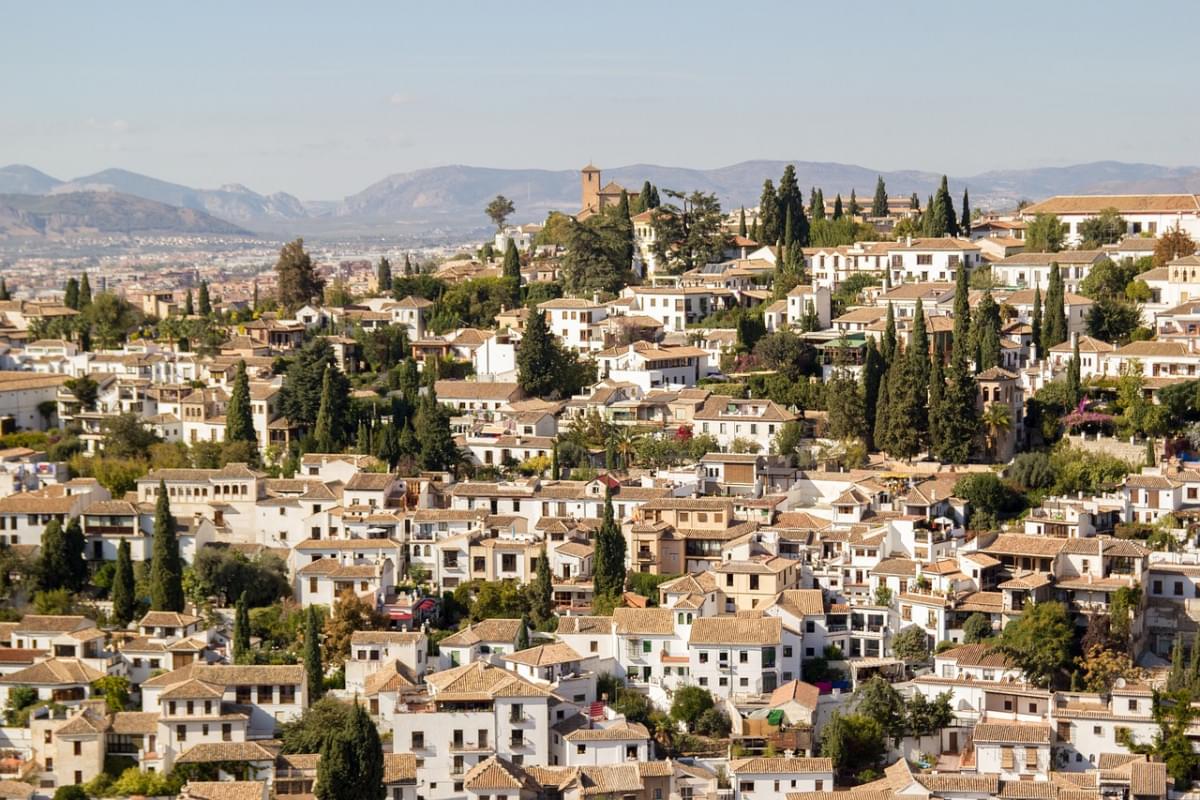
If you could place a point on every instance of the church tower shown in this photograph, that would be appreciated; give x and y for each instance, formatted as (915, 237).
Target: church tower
(589, 178)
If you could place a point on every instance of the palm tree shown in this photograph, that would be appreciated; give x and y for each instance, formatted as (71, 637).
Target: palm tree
(997, 421)
(625, 441)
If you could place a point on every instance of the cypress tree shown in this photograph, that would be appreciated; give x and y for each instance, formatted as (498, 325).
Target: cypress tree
(742, 223)
(956, 418)
(383, 275)
(351, 764)
(872, 377)
(837, 206)
(1194, 666)
(914, 202)
(1074, 386)
(539, 360)
(853, 210)
(883, 410)
(523, 634)
(817, 206)
(644, 197)
(790, 198)
(123, 586)
(964, 224)
(203, 302)
(608, 573)
(254, 299)
(85, 293)
(1035, 322)
(905, 407)
(768, 213)
(888, 347)
(789, 231)
(362, 440)
(542, 595)
(71, 293)
(512, 262)
(189, 307)
(239, 422)
(241, 632)
(654, 201)
(54, 556)
(918, 358)
(75, 576)
(1177, 677)
(4, 295)
(312, 656)
(934, 221)
(879, 205)
(962, 314)
(408, 266)
(755, 233)
(987, 334)
(937, 389)
(554, 468)
(943, 199)
(166, 571)
(326, 440)
(1054, 324)
(436, 449)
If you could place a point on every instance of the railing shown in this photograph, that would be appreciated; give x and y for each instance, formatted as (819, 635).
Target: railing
(470, 747)
(516, 717)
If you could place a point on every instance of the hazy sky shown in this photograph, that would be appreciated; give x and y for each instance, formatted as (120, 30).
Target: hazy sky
(322, 99)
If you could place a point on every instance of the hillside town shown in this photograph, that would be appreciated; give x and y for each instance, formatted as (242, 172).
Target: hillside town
(830, 498)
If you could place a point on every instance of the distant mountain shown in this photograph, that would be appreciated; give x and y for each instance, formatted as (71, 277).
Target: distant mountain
(450, 199)
(232, 202)
(88, 213)
(460, 192)
(20, 179)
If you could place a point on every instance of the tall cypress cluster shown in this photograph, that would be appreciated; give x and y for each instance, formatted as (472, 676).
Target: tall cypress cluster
(1054, 322)
(166, 568)
(608, 574)
(879, 205)
(956, 419)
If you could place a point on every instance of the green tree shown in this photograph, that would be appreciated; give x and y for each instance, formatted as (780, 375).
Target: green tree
(689, 703)
(853, 210)
(297, 282)
(1173, 244)
(85, 292)
(1045, 233)
(351, 764)
(499, 210)
(327, 431)
(689, 232)
(911, 645)
(770, 224)
(523, 634)
(239, 422)
(1054, 323)
(964, 222)
(383, 276)
(512, 262)
(816, 205)
(71, 293)
(845, 408)
(123, 593)
(1107, 227)
(115, 691)
(608, 571)
(790, 200)
(311, 656)
(854, 742)
(888, 343)
(166, 569)
(436, 449)
(872, 379)
(1039, 642)
(241, 632)
(837, 206)
(1035, 321)
(306, 733)
(203, 301)
(977, 628)
(987, 333)
(879, 205)
(742, 231)
(539, 359)
(908, 417)
(54, 572)
(598, 257)
(881, 438)
(189, 306)
(878, 699)
(541, 596)
(644, 198)
(304, 383)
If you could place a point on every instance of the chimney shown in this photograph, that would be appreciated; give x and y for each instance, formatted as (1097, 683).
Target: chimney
(908, 240)
(1074, 339)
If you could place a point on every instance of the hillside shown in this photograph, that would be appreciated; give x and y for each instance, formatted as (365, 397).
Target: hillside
(90, 213)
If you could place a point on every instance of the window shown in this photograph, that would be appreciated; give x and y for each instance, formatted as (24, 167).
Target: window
(418, 740)
(703, 656)
(1178, 588)
(580, 749)
(743, 657)
(266, 694)
(243, 695)
(226, 732)
(287, 693)
(181, 733)
(78, 748)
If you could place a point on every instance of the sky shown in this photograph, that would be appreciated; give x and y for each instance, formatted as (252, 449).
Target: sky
(323, 99)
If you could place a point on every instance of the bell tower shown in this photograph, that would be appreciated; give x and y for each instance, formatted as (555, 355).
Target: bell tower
(589, 179)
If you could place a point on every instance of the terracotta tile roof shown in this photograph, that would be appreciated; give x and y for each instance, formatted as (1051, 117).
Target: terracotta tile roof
(224, 790)
(476, 390)
(399, 768)
(585, 625)
(1025, 545)
(1148, 778)
(208, 752)
(498, 773)
(644, 621)
(982, 784)
(781, 766)
(698, 583)
(800, 692)
(904, 567)
(54, 672)
(803, 602)
(1017, 732)
(736, 630)
(15, 790)
(386, 637)
(1093, 204)
(975, 655)
(193, 690)
(167, 619)
(544, 655)
(488, 630)
(613, 733)
(622, 778)
(134, 722)
(47, 623)
(479, 680)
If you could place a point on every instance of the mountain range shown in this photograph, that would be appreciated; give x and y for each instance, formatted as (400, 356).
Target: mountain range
(451, 199)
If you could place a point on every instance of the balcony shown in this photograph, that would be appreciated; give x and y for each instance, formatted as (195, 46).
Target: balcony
(470, 747)
(517, 717)
(520, 743)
